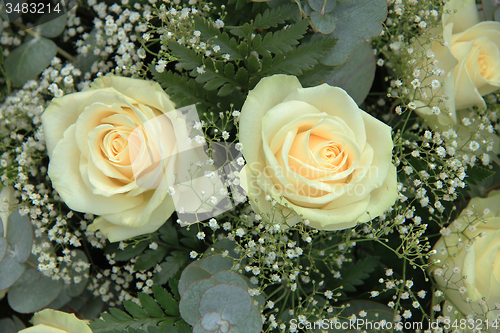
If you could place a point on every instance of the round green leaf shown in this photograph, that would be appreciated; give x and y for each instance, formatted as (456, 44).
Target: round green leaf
(33, 291)
(324, 23)
(232, 302)
(20, 236)
(322, 6)
(7, 325)
(190, 300)
(10, 270)
(356, 21)
(28, 60)
(216, 263)
(3, 248)
(252, 323)
(193, 274)
(356, 77)
(54, 24)
(230, 278)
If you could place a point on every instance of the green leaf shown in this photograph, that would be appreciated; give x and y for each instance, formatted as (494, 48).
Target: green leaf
(3, 247)
(274, 16)
(149, 304)
(7, 325)
(10, 270)
(252, 323)
(166, 301)
(209, 32)
(324, 23)
(168, 233)
(356, 77)
(315, 75)
(119, 315)
(226, 89)
(33, 291)
(170, 267)
(54, 24)
(302, 58)
(20, 236)
(28, 60)
(253, 63)
(130, 251)
(190, 301)
(150, 258)
(478, 174)
(322, 6)
(188, 57)
(356, 21)
(230, 278)
(354, 275)
(232, 302)
(281, 40)
(242, 76)
(135, 310)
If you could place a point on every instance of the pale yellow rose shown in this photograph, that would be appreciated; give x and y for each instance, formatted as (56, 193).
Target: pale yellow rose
(101, 139)
(316, 153)
(52, 321)
(469, 268)
(469, 55)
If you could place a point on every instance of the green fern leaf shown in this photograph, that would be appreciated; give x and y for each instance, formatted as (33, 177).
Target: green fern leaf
(299, 59)
(166, 301)
(281, 40)
(135, 310)
(274, 16)
(118, 314)
(150, 305)
(188, 57)
(209, 32)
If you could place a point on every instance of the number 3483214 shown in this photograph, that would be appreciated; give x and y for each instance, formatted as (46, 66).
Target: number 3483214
(32, 8)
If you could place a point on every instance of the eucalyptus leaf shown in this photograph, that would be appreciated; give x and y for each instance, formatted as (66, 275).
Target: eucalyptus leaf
(20, 235)
(216, 263)
(7, 325)
(51, 24)
(232, 302)
(190, 301)
(28, 60)
(19, 324)
(230, 278)
(33, 291)
(3, 248)
(324, 23)
(252, 323)
(1, 223)
(322, 6)
(356, 21)
(356, 77)
(10, 270)
(193, 274)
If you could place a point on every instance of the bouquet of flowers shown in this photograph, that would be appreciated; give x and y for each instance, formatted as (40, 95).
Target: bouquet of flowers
(249, 166)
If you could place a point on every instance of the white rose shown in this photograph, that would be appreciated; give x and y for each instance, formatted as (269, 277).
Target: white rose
(316, 153)
(469, 267)
(469, 55)
(114, 151)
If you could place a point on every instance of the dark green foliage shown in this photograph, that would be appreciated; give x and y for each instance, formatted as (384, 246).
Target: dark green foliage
(353, 275)
(148, 317)
(478, 174)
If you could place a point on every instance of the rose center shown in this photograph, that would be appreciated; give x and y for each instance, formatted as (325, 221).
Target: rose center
(115, 142)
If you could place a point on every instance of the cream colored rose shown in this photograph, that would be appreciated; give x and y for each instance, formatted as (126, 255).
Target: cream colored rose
(469, 268)
(52, 321)
(101, 139)
(469, 55)
(316, 153)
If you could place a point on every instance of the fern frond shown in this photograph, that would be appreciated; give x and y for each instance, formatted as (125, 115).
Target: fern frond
(210, 33)
(299, 59)
(274, 16)
(281, 40)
